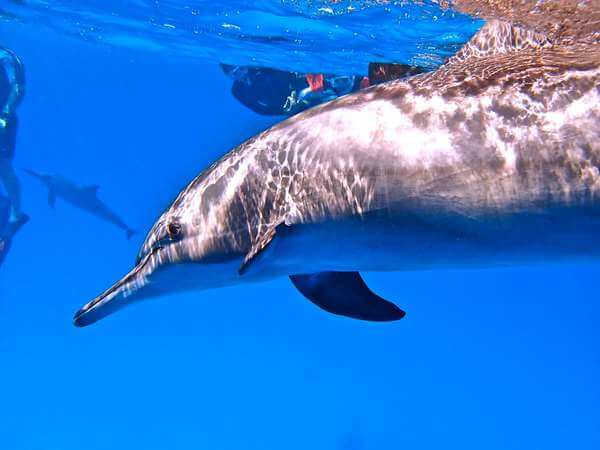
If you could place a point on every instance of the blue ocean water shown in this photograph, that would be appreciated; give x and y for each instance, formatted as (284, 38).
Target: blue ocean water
(494, 359)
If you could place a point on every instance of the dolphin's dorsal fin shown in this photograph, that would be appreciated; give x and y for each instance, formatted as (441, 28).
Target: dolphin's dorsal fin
(92, 189)
(496, 38)
(346, 294)
(519, 42)
(561, 21)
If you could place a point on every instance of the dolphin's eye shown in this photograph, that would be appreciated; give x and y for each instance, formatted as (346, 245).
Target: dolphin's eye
(174, 230)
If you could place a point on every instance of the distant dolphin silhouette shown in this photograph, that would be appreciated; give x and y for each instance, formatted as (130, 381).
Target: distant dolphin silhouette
(82, 197)
(493, 159)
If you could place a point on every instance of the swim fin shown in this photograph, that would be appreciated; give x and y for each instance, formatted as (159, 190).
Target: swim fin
(383, 72)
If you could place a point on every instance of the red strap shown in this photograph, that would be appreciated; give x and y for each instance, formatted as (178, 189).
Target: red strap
(315, 81)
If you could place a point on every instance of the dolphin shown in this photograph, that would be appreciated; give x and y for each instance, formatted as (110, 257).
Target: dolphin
(82, 197)
(491, 160)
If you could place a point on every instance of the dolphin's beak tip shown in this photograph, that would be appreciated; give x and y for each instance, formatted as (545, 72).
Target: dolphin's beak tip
(113, 299)
(82, 318)
(78, 319)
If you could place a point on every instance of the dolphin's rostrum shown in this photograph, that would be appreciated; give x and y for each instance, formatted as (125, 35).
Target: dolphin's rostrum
(493, 159)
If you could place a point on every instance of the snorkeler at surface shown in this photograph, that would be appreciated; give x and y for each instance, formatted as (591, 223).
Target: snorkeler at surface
(7, 228)
(12, 82)
(275, 92)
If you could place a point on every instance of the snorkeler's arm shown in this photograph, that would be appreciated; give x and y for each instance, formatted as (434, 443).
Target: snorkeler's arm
(16, 76)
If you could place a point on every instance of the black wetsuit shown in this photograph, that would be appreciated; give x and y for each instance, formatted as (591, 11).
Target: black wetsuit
(11, 92)
(267, 91)
(5, 232)
(263, 90)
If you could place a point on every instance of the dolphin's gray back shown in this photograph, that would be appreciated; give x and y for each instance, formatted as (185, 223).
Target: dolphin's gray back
(488, 133)
(509, 125)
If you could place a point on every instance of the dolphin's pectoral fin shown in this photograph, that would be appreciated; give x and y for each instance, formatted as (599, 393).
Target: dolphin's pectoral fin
(346, 294)
(51, 198)
(260, 246)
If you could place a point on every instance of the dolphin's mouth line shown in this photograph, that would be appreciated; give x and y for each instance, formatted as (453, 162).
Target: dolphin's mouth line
(134, 275)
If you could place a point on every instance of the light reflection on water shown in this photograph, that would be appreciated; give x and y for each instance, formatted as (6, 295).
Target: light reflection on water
(340, 37)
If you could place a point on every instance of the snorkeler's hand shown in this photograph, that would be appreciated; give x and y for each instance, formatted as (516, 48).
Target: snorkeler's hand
(290, 102)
